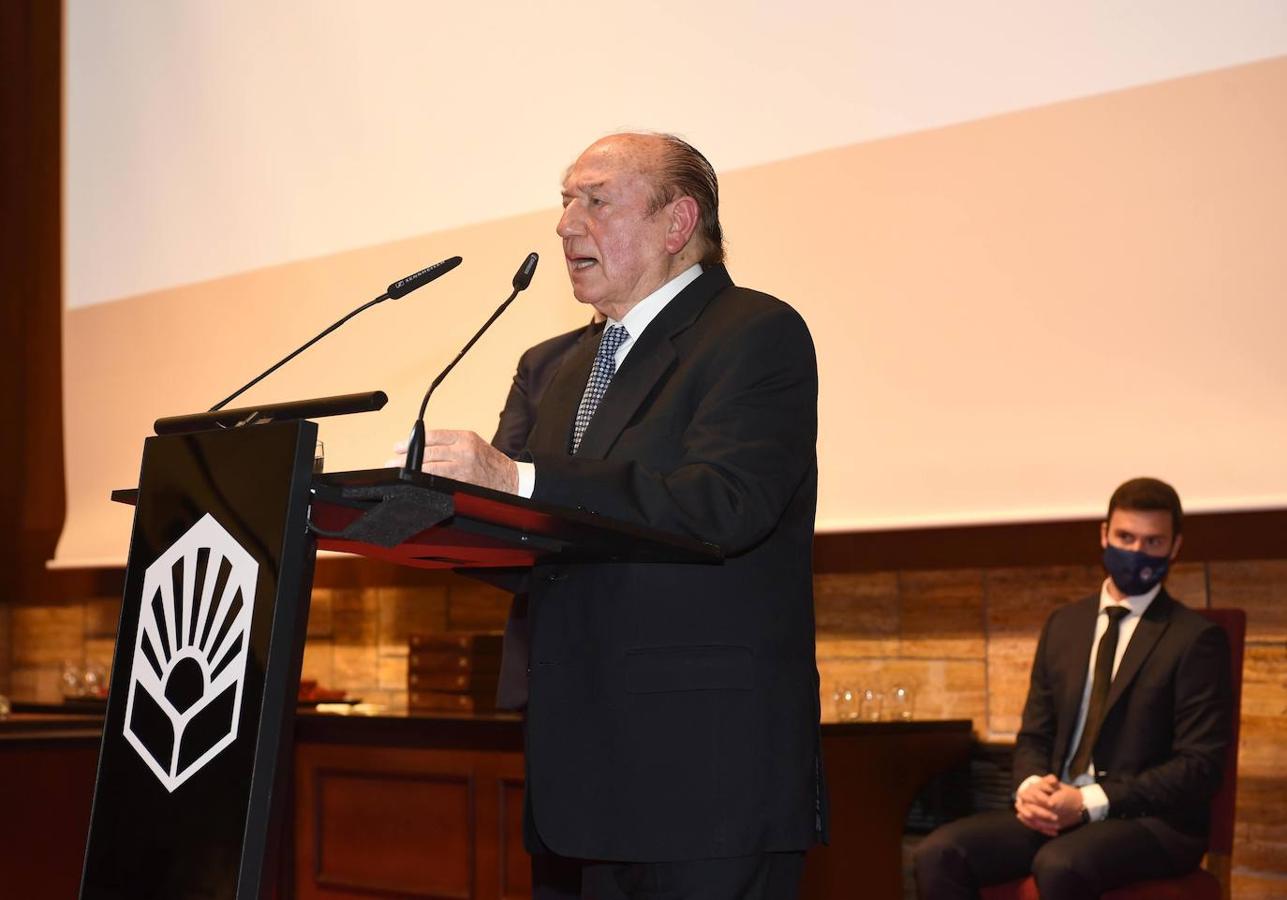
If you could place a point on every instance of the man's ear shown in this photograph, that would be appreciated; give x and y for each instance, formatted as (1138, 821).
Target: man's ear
(1103, 534)
(684, 216)
(1175, 548)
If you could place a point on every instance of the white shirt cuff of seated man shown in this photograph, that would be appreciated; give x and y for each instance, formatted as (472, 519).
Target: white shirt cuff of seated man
(1095, 801)
(526, 479)
(1092, 797)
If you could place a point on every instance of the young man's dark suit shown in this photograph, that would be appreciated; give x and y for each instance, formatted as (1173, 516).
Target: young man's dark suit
(1158, 756)
(673, 709)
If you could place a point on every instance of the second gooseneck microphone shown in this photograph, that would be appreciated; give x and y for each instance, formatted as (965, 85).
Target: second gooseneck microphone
(416, 444)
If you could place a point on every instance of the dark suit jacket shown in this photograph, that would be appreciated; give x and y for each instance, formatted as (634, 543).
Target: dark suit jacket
(1161, 748)
(536, 367)
(673, 709)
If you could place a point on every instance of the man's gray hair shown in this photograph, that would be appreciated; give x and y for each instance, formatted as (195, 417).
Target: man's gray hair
(685, 172)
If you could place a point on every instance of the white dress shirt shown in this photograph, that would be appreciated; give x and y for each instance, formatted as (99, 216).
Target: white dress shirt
(1092, 795)
(635, 321)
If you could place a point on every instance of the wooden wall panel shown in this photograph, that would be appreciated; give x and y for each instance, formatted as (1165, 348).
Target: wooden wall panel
(515, 864)
(408, 822)
(408, 833)
(1258, 885)
(406, 611)
(47, 635)
(32, 493)
(6, 648)
(942, 614)
(47, 786)
(1259, 587)
(474, 606)
(857, 614)
(1018, 603)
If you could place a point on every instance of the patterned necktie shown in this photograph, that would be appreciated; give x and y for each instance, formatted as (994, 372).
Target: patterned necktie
(601, 373)
(1098, 690)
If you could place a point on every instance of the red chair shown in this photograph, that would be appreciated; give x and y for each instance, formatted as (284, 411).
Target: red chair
(1212, 881)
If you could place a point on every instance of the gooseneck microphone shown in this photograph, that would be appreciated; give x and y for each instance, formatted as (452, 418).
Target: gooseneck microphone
(416, 444)
(398, 289)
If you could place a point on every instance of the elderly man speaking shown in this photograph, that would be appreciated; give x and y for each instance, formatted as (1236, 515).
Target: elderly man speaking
(672, 732)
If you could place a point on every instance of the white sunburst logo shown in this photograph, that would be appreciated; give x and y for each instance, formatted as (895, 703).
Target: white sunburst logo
(190, 652)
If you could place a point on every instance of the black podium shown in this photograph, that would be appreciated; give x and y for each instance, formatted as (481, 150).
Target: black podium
(206, 669)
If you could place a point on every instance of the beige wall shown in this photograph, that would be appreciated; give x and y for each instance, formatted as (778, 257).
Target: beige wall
(1010, 314)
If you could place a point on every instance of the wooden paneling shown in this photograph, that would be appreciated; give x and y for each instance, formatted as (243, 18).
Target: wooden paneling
(407, 822)
(47, 786)
(31, 441)
(406, 611)
(1259, 587)
(1250, 885)
(421, 821)
(515, 865)
(407, 833)
(6, 644)
(475, 606)
(1207, 536)
(44, 637)
(353, 636)
(857, 614)
(1018, 603)
(1188, 582)
(47, 635)
(1264, 710)
(942, 614)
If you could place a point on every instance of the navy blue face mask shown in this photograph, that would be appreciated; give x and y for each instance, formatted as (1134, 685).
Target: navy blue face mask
(1132, 571)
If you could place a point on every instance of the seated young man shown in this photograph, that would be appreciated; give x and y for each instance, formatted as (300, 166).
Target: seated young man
(1123, 736)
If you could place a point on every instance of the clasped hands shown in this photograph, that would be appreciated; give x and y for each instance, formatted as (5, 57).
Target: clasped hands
(464, 456)
(1049, 806)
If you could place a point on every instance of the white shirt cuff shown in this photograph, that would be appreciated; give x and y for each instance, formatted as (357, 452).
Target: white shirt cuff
(526, 479)
(1095, 801)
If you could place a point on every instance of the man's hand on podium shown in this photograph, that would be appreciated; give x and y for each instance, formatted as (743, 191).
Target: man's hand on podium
(464, 456)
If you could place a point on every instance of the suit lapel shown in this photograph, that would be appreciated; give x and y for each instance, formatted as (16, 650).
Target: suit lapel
(1077, 664)
(651, 357)
(557, 409)
(1145, 638)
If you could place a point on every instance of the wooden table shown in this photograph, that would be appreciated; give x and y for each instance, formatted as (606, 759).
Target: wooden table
(442, 801)
(418, 806)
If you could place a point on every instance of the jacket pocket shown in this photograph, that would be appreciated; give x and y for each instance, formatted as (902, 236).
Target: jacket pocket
(655, 670)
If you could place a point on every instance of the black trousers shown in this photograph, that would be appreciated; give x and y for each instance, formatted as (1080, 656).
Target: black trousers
(1084, 862)
(764, 876)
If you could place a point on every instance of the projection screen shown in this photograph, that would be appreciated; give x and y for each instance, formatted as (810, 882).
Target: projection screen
(1039, 246)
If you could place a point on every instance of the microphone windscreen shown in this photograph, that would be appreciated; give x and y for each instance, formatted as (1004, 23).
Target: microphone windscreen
(523, 277)
(406, 285)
